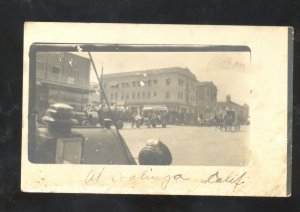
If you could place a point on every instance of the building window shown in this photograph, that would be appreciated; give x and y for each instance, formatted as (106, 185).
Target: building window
(148, 95)
(143, 95)
(116, 96)
(134, 84)
(127, 84)
(122, 96)
(167, 94)
(74, 73)
(167, 81)
(55, 70)
(138, 95)
(133, 95)
(178, 95)
(114, 85)
(155, 82)
(123, 84)
(154, 93)
(149, 83)
(180, 82)
(127, 96)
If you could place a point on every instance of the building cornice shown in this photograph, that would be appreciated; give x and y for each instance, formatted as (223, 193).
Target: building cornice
(183, 71)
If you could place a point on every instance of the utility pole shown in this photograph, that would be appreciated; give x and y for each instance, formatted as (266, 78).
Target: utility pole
(101, 82)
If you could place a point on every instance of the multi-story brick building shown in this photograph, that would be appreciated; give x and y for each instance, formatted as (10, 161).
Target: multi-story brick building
(173, 87)
(61, 77)
(206, 98)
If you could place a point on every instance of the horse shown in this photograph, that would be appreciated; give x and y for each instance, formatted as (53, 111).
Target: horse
(228, 122)
(219, 123)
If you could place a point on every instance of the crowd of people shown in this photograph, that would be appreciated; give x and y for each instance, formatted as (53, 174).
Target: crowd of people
(149, 119)
(93, 115)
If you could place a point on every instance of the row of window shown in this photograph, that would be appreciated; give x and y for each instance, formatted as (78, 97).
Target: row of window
(181, 84)
(146, 83)
(56, 74)
(144, 95)
(134, 95)
(209, 94)
(180, 96)
(55, 69)
(141, 83)
(212, 94)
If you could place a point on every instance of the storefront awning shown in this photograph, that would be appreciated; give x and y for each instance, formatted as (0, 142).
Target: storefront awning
(65, 86)
(155, 108)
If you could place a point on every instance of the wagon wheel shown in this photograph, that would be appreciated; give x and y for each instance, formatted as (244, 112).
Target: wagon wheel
(119, 124)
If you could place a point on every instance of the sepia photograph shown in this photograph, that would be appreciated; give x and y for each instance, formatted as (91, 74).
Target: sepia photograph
(147, 105)
(157, 109)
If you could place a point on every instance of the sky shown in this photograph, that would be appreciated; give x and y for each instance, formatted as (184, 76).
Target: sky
(229, 71)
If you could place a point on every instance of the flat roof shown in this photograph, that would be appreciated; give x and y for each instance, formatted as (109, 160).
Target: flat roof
(211, 84)
(180, 70)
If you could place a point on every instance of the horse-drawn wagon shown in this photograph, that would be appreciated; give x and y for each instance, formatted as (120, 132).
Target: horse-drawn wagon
(155, 115)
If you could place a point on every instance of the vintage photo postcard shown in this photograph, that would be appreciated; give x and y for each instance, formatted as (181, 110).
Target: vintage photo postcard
(157, 109)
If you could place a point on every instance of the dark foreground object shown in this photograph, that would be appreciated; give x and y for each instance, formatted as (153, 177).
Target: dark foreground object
(155, 153)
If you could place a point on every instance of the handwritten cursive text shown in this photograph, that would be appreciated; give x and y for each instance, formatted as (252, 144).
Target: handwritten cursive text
(234, 179)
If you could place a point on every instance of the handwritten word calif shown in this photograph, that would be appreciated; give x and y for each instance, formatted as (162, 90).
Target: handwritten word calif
(231, 179)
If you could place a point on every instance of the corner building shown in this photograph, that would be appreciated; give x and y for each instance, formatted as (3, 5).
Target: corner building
(173, 87)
